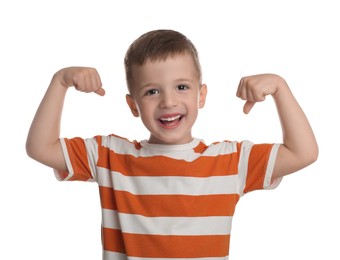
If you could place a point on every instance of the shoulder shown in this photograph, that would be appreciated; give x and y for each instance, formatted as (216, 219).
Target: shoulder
(218, 148)
(225, 144)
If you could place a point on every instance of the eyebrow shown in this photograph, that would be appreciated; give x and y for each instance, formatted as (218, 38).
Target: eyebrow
(148, 85)
(183, 79)
(177, 81)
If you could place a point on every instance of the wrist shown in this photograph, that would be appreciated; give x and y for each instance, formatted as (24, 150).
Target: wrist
(281, 86)
(58, 84)
(59, 79)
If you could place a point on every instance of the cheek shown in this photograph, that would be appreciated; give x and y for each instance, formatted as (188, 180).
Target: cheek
(193, 108)
(146, 109)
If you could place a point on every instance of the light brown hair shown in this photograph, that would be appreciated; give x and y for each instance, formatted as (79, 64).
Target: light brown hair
(158, 45)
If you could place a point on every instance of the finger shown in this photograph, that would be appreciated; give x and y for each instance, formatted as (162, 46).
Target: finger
(248, 106)
(258, 96)
(96, 81)
(242, 93)
(250, 95)
(100, 92)
(240, 88)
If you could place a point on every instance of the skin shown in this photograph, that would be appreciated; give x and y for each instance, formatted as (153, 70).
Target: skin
(170, 90)
(167, 96)
(299, 147)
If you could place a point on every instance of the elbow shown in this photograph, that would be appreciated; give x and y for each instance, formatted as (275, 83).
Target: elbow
(30, 149)
(311, 156)
(315, 155)
(304, 158)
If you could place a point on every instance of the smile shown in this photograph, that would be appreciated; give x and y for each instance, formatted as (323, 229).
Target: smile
(170, 121)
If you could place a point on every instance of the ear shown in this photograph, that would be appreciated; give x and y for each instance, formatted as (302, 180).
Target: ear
(203, 95)
(132, 105)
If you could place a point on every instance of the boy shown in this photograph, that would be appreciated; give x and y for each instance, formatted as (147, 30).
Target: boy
(171, 196)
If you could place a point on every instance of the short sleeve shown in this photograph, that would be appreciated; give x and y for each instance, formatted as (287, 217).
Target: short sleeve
(256, 166)
(80, 157)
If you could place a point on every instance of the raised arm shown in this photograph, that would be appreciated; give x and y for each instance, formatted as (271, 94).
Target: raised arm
(299, 147)
(43, 138)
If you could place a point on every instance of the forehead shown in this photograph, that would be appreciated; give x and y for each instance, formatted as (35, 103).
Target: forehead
(171, 68)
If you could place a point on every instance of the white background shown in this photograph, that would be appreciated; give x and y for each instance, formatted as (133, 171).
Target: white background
(42, 218)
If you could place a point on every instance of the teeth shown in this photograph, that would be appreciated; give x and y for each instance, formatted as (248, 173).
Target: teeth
(168, 119)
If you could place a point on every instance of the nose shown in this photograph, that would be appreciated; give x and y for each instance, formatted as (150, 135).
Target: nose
(169, 100)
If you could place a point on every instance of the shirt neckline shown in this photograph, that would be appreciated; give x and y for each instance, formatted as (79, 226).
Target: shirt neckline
(171, 147)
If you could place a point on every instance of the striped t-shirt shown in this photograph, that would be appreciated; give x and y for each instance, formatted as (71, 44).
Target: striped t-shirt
(168, 201)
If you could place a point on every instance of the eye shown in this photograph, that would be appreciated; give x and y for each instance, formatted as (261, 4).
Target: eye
(182, 87)
(151, 92)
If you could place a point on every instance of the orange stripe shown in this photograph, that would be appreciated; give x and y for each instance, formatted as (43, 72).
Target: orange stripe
(130, 165)
(200, 148)
(113, 240)
(149, 246)
(257, 166)
(78, 157)
(169, 205)
(107, 198)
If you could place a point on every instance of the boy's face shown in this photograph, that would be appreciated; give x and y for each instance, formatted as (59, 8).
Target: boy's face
(167, 95)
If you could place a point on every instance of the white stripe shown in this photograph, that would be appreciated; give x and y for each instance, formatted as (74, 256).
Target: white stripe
(222, 148)
(110, 219)
(270, 169)
(92, 155)
(155, 185)
(107, 255)
(180, 152)
(243, 165)
(67, 160)
(180, 226)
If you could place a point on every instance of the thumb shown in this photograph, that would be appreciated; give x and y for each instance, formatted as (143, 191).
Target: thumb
(100, 92)
(248, 106)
